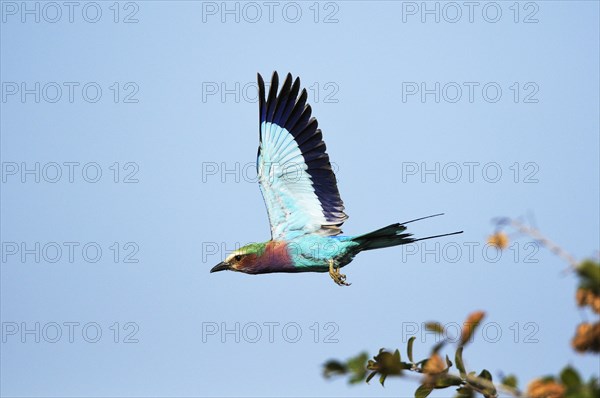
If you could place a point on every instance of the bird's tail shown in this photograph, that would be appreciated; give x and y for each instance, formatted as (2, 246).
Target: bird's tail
(392, 235)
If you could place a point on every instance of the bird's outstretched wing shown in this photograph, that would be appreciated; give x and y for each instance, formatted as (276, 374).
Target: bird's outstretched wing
(296, 180)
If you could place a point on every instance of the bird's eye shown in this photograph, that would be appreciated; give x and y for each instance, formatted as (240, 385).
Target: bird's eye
(238, 257)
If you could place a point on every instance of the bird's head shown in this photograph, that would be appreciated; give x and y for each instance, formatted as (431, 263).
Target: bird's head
(242, 259)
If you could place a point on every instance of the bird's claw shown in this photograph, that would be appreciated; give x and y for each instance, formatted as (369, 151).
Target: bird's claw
(338, 278)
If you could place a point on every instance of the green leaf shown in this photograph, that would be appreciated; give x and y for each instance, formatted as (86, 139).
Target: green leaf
(438, 347)
(485, 375)
(423, 391)
(589, 271)
(510, 381)
(357, 365)
(488, 389)
(370, 376)
(570, 378)
(448, 362)
(460, 365)
(387, 363)
(334, 368)
(434, 327)
(592, 387)
(547, 378)
(447, 381)
(382, 379)
(358, 362)
(482, 383)
(357, 378)
(409, 348)
(397, 356)
(464, 392)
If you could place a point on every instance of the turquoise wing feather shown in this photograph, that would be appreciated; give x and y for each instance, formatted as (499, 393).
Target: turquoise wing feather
(295, 175)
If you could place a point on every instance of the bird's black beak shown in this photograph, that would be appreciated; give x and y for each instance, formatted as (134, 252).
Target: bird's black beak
(223, 266)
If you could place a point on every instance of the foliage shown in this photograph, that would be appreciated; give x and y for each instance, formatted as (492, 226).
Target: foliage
(435, 372)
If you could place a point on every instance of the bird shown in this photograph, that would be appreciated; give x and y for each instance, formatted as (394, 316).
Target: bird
(300, 191)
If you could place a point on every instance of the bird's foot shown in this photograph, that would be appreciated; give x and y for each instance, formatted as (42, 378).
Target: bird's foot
(338, 278)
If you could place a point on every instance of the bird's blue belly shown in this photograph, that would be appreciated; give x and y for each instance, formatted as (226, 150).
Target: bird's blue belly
(314, 253)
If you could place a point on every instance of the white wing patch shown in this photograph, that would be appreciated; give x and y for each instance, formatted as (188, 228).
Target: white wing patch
(293, 207)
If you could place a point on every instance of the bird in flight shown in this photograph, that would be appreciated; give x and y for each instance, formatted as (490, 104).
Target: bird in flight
(300, 191)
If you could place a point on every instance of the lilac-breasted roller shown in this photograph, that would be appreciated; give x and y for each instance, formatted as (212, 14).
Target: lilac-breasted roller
(301, 194)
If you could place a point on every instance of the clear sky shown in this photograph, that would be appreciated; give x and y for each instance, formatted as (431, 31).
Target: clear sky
(492, 110)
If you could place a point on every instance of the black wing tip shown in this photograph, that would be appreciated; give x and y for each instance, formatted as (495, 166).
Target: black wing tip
(275, 77)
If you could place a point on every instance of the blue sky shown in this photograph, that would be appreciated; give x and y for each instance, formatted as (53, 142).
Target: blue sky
(490, 111)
